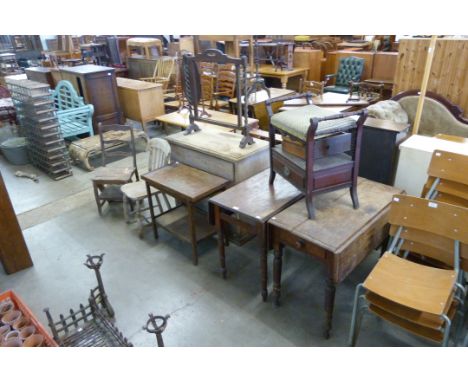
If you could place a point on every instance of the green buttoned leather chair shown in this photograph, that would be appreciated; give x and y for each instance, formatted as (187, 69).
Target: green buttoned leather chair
(350, 69)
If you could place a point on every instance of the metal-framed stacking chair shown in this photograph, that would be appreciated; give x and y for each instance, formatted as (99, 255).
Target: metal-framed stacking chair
(90, 325)
(331, 144)
(108, 179)
(447, 178)
(135, 192)
(421, 299)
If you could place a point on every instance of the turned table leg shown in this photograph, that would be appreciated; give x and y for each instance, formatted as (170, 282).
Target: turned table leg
(221, 240)
(193, 236)
(330, 290)
(277, 264)
(284, 82)
(150, 202)
(261, 236)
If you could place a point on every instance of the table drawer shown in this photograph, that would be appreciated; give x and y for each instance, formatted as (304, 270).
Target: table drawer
(289, 173)
(297, 243)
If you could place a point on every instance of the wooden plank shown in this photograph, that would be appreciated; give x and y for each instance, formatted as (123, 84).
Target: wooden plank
(448, 73)
(311, 59)
(14, 253)
(449, 166)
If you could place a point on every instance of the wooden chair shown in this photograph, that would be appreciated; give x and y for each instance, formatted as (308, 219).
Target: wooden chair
(225, 85)
(332, 149)
(314, 87)
(421, 299)
(162, 72)
(108, 179)
(135, 192)
(447, 178)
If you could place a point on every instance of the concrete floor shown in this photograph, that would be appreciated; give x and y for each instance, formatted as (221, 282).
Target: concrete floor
(61, 225)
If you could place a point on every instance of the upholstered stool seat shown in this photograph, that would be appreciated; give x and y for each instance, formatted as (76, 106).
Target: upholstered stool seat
(296, 122)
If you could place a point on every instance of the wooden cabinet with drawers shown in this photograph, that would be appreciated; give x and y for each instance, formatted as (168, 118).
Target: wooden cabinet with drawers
(98, 86)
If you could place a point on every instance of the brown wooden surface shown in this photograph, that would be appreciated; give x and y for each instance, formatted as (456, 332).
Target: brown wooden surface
(41, 74)
(332, 209)
(431, 216)
(449, 166)
(415, 286)
(98, 86)
(267, 200)
(448, 73)
(185, 182)
(384, 66)
(141, 101)
(311, 59)
(14, 253)
(420, 318)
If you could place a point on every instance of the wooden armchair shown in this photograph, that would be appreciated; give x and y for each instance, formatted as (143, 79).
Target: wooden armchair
(332, 149)
(314, 87)
(421, 299)
(108, 179)
(162, 72)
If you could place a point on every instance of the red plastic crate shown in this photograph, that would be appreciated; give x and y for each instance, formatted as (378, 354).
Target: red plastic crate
(48, 340)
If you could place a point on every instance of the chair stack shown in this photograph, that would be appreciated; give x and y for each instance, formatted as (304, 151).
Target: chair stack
(419, 283)
(39, 124)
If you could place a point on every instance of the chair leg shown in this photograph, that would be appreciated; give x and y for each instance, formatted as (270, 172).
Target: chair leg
(125, 209)
(272, 175)
(448, 326)
(96, 196)
(353, 332)
(140, 218)
(310, 206)
(354, 197)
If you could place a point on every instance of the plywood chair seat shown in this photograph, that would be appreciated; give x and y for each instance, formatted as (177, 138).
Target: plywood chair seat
(136, 190)
(411, 327)
(417, 317)
(113, 175)
(412, 285)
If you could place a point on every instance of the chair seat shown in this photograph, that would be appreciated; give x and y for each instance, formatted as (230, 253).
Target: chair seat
(296, 122)
(336, 89)
(412, 285)
(113, 174)
(136, 190)
(427, 320)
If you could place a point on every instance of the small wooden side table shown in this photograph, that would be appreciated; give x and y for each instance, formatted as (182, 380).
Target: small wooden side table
(189, 186)
(339, 236)
(283, 75)
(249, 205)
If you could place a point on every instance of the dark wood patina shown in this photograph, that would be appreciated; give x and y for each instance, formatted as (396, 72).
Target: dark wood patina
(339, 236)
(334, 172)
(250, 215)
(189, 186)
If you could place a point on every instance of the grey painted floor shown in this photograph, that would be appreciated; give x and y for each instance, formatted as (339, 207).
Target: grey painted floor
(61, 225)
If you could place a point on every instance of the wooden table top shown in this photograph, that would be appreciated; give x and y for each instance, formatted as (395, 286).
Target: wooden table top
(219, 144)
(255, 198)
(181, 118)
(128, 83)
(269, 70)
(187, 182)
(336, 222)
(262, 96)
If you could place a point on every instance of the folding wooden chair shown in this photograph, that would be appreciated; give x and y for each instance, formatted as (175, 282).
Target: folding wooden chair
(447, 178)
(421, 299)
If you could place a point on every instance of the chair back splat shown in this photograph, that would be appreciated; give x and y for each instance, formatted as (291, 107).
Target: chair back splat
(160, 153)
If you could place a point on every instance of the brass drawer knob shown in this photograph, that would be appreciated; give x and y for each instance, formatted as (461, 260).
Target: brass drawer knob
(299, 244)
